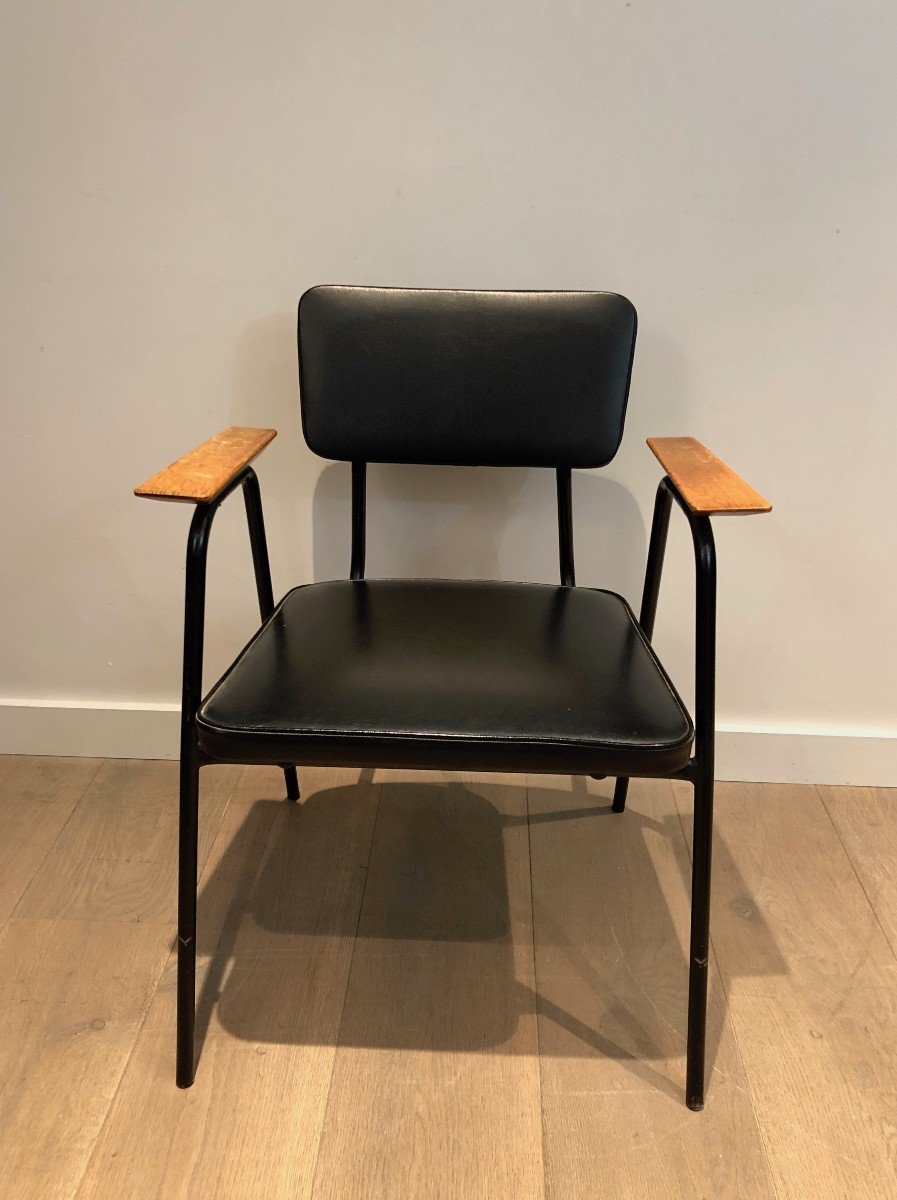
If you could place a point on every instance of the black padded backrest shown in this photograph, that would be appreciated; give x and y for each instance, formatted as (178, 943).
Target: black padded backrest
(465, 378)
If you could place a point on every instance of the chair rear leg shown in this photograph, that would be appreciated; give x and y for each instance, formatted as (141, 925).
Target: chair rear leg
(620, 789)
(186, 991)
(292, 780)
(700, 942)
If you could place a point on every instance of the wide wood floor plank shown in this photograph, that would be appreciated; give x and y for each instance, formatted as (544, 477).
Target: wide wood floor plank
(611, 912)
(435, 1088)
(812, 991)
(72, 996)
(405, 1062)
(278, 908)
(866, 820)
(37, 797)
(116, 859)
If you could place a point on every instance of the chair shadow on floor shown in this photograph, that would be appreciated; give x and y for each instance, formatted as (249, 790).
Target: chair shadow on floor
(398, 915)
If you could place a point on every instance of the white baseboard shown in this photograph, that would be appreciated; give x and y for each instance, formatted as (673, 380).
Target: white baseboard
(808, 756)
(89, 728)
(97, 729)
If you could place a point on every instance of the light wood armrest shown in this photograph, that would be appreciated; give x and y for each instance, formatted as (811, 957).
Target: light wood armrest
(707, 485)
(199, 476)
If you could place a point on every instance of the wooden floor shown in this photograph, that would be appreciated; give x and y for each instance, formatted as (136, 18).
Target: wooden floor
(442, 986)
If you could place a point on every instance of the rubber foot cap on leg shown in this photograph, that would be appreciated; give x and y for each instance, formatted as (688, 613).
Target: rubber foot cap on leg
(184, 1079)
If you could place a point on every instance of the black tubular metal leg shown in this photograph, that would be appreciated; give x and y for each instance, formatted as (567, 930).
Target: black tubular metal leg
(700, 770)
(293, 793)
(621, 787)
(259, 543)
(699, 947)
(188, 830)
(703, 766)
(191, 756)
(186, 990)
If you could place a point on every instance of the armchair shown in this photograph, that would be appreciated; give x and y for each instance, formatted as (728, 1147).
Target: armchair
(440, 674)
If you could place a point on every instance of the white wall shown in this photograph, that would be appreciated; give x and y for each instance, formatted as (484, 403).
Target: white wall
(176, 175)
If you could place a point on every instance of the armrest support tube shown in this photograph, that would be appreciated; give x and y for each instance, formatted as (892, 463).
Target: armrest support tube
(259, 543)
(705, 612)
(656, 550)
(195, 593)
(705, 646)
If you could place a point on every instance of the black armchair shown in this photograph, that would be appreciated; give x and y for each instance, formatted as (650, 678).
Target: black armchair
(435, 674)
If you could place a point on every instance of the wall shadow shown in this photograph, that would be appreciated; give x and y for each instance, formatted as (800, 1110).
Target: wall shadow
(434, 914)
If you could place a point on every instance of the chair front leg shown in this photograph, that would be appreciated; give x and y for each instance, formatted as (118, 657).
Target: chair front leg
(188, 823)
(699, 945)
(187, 873)
(702, 777)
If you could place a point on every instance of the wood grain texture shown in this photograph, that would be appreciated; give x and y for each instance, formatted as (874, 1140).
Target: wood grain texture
(866, 821)
(37, 797)
(811, 985)
(278, 907)
(199, 476)
(435, 1088)
(611, 917)
(410, 985)
(72, 996)
(116, 862)
(706, 483)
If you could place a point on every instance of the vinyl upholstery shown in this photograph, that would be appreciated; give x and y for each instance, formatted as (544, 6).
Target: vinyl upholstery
(465, 377)
(456, 674)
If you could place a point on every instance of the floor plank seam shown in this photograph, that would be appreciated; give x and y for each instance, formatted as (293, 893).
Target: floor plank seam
(855, 869)
(799, 1100)
(367, 872)
(97, 1141)
(88, 785)
(88, 1162)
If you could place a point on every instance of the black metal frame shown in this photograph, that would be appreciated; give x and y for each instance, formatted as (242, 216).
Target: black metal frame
(565, 526)
(699, 770)
(192, 757)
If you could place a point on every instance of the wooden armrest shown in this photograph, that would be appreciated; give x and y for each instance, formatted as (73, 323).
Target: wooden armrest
(707, 485)
(199, 476)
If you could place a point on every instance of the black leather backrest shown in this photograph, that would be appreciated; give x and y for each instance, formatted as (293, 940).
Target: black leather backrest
(465, 378)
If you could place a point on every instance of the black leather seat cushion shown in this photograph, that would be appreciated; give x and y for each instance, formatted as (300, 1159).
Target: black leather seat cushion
(450, 674)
